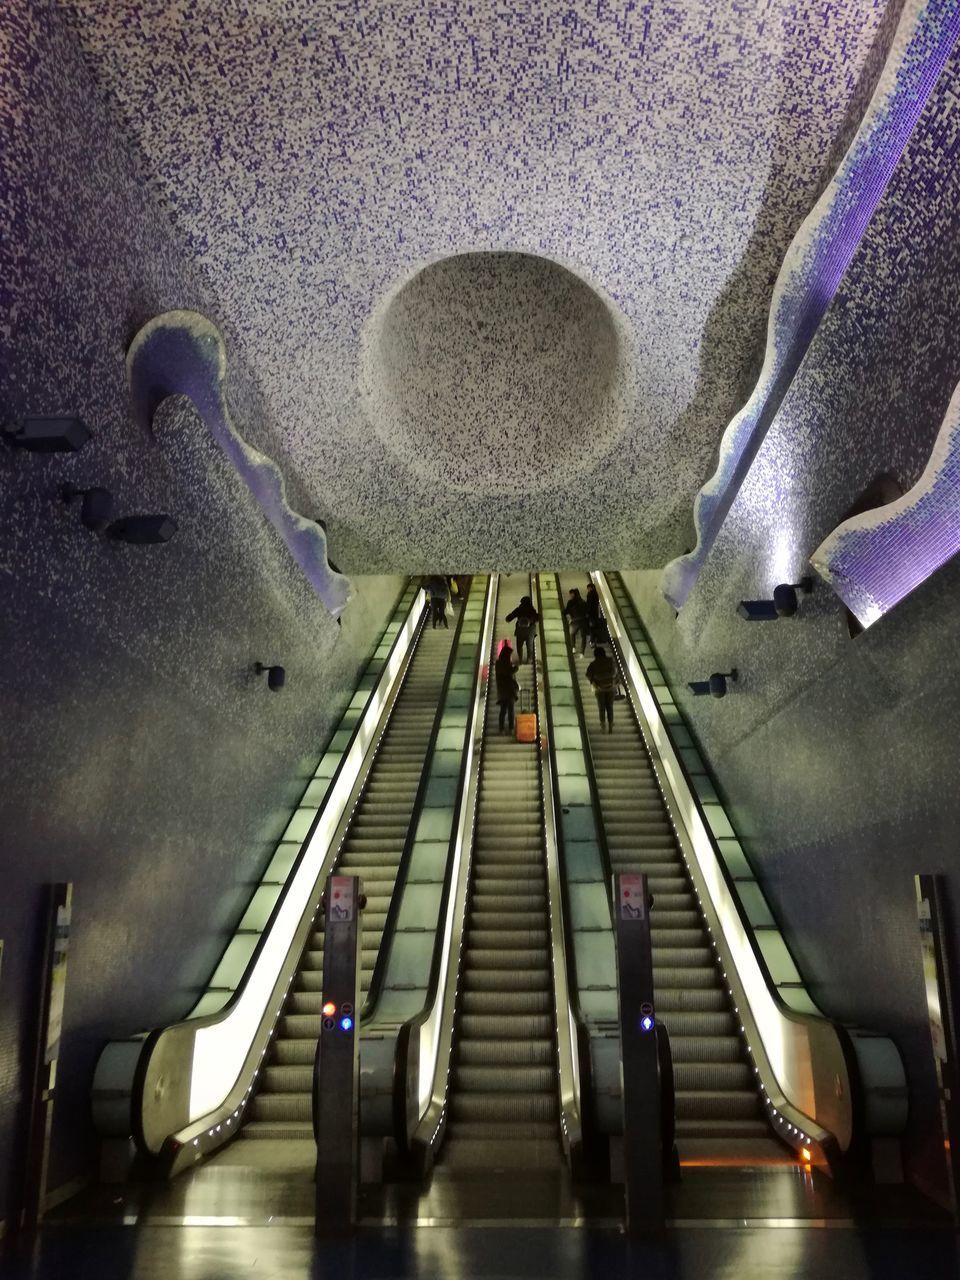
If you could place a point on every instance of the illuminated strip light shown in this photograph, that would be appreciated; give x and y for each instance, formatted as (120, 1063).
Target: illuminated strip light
(220, 1049)
(785, 1043)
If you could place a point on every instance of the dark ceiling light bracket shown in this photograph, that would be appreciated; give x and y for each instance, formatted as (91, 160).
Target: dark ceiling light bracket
(48, 435)
(716, 686)
(784, 604)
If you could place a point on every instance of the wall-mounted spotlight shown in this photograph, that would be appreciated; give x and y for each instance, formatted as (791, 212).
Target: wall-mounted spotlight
(96, 510)
(96, 506)
(276, 676)
(48, 435)
(783, 605)
(141, 530)
(716, 686)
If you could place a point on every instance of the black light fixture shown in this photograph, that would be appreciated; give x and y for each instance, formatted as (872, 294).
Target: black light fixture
(96, 511)
(783, 605)
(716, 686)
(96, 506)
(143, 530)
(48, 435)
(276, 676)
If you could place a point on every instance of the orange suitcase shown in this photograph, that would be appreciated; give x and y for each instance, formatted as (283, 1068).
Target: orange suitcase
(526, 725)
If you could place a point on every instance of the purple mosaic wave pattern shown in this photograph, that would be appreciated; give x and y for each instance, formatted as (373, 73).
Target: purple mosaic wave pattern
(874, 560)
(817, 260)
(183, 353)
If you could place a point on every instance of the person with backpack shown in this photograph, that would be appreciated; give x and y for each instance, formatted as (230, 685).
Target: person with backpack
(526, 618)
(507, 688)
(576, 611)
(602, 674)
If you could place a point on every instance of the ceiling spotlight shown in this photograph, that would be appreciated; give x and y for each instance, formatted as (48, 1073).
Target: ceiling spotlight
(716, 686)
(142, 530)
(783, 605)
(96, 506)
(276, 676)
(49, 435)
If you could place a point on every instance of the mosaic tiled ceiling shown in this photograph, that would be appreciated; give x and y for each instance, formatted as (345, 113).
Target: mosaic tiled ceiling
(337, 171)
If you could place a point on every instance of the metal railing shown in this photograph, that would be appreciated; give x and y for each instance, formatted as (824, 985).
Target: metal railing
(824, 1085)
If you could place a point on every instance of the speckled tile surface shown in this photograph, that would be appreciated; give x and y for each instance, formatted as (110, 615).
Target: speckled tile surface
(142, 758)
(837, 754)
(315, 161)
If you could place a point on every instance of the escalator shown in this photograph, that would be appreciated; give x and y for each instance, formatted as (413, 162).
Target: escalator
(719, 1114)
(503, 1109)
(372, 849)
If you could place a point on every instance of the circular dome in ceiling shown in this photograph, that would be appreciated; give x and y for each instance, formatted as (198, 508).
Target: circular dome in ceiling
(494, 373)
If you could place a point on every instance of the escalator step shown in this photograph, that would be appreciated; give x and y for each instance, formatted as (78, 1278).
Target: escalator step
(512, 939)
(501, 981)
(678, 1000)
(718, 1104)
(669, 979)
(489, 1051)
(713, 1076)
(493, 1023)
(667, 935)
(287, 1079)
(488, 917)
(502, 1106)
(703, 1127)
(519, 1078)
(289, 1053)
(282, 1106)
(291, 1130)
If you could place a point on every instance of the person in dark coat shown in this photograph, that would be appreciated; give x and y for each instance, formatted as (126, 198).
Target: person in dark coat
(526, 618)
(592, 603)
(576, 611)
(507, 688)
(602, 674)
(439, 595)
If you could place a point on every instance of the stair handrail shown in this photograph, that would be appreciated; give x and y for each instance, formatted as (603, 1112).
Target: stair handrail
(572, 1059)
(184, 1087)
(422, 1043)
(814, 1073)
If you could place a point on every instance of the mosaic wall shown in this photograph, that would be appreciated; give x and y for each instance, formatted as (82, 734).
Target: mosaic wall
(873, 560)
(838, 754)
(819, 256)
(315, 163)
(142, 757)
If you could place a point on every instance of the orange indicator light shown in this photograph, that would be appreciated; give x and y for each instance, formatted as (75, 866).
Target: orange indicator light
(805, 1152)
(329, 1009)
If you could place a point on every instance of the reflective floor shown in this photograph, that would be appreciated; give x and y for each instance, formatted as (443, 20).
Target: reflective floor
(271, 1184)
(279, 1253)
(233, 1218)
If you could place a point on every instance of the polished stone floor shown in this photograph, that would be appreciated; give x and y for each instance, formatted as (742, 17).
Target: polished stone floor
(447, 1253)
(249, 1213)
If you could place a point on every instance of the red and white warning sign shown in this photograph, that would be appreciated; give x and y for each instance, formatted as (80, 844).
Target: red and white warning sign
(340, 907)
(632, 903)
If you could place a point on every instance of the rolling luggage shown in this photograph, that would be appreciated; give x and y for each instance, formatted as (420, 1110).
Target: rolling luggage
(526, 724)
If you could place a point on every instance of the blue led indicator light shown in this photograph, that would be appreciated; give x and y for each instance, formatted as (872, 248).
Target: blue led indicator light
(646, 1022)
(346, 1024)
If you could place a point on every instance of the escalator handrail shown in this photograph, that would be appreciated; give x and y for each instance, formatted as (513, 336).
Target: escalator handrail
(731, 884)
(603, 843)
(461, 837)
(573, 1062)
(188, 1028)
(796, 1124)
(330, 785)
(376, 979)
